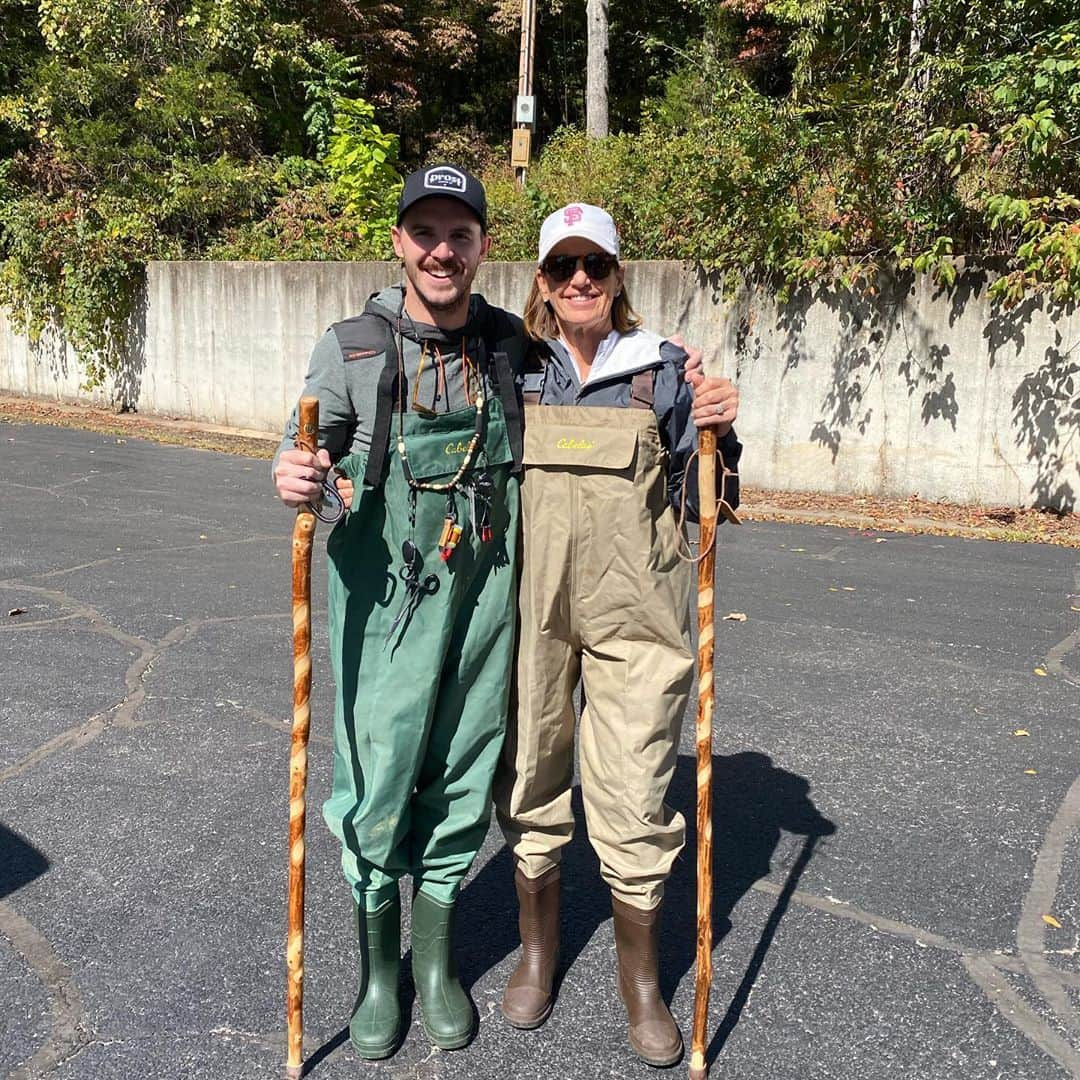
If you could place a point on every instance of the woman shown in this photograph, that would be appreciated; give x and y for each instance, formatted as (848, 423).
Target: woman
(604, 599)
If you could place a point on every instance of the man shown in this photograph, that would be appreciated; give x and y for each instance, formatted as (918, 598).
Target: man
(418, 399)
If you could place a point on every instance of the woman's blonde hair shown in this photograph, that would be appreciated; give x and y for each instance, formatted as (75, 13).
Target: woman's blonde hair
(541, 324)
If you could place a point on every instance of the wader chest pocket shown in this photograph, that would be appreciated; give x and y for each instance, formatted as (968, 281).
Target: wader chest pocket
(438, 449)
(582, 446)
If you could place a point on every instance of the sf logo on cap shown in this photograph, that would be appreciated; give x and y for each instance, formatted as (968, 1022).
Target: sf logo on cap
(572, 215)
(444, 179)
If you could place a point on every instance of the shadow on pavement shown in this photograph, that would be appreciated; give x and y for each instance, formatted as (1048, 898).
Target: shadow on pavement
(753, 802)
(742, 994)
(20, 862)
(317, 1057)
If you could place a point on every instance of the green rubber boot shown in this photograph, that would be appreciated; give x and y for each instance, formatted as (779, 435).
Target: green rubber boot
(375, 1025)
(446, 1008)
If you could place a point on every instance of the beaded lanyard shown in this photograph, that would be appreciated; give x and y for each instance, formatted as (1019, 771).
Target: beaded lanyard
(451, 532)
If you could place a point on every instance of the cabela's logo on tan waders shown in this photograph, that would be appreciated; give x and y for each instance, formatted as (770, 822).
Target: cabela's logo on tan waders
(574, 444)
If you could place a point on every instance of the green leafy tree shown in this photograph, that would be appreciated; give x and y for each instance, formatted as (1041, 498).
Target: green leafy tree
(139, 129)
(360, 158)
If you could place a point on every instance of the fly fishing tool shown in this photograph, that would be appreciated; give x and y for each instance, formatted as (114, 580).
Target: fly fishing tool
(415, 587)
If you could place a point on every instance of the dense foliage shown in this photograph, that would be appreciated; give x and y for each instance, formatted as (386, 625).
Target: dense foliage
(806, 139)
(812, 141)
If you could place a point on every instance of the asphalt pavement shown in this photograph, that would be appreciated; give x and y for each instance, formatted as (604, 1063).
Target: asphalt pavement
(896, 792)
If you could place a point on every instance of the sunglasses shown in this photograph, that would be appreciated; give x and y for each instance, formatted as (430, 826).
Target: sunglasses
(560, 268)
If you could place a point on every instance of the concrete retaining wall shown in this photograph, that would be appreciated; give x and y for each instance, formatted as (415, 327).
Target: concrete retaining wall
(911, 391)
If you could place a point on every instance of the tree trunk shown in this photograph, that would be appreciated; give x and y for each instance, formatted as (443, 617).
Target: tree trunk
(915, 45)
(596, 70)
(915, 41)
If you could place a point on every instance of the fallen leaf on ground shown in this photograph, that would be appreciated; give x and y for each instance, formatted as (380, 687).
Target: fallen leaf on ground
(734, 616)
(17, 611)
(1021, 731)
(882, 540)
(848, 588)
(1030, 772)
(1040, 671)
(1051, 921)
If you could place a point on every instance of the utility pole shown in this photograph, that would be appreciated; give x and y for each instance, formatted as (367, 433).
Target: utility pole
(596, 70)
(525, 104)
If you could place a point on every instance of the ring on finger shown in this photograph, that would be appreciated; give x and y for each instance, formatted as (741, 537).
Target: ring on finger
(720, 409)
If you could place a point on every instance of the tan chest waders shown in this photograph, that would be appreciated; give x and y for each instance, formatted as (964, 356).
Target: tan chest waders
(603, 597)
(422, 668)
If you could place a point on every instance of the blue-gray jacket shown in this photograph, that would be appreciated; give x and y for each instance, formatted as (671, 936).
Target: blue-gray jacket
(619, 358)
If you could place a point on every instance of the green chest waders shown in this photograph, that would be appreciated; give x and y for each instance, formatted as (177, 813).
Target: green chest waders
(421, 706)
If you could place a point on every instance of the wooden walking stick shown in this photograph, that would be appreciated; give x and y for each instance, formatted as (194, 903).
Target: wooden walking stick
(303, 535)
(706, 619)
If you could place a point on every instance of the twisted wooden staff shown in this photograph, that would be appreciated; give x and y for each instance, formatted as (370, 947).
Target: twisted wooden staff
(303, 535)
(706, 569)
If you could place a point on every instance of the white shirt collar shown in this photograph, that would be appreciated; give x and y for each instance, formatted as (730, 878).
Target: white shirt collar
(621, 354)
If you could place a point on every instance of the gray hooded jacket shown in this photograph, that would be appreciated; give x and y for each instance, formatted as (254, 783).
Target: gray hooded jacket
(348, 360)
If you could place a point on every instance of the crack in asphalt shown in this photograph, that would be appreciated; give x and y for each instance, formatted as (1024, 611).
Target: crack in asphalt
(48, 575)
(35, 624)
(54, 489)
(181, 634)
(36, 488)
(923, 938)
(1031, 931)
(123, 713)
(70, 1031)
(985, 968)
(1020, 1014)
(1055, 658)
(69, 1035)
(257, 716)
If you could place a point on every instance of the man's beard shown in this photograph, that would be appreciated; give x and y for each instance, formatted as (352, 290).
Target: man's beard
(432, 304)
(440, 305)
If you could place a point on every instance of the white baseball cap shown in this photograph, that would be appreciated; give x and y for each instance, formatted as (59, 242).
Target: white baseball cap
(579, 219)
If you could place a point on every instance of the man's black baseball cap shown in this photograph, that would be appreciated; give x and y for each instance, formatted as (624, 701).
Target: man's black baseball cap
(447, 182)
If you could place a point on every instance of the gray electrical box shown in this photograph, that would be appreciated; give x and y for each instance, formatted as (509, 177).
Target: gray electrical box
(525, 109)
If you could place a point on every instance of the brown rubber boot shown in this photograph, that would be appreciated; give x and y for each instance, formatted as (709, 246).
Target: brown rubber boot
(527, 1001)
(654, 1035)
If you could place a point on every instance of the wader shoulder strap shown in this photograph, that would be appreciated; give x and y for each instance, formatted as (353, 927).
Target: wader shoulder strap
(499, 328)
(384, 414)
(364, 337)
(507, 390)
(643, 389)
(536, 359)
